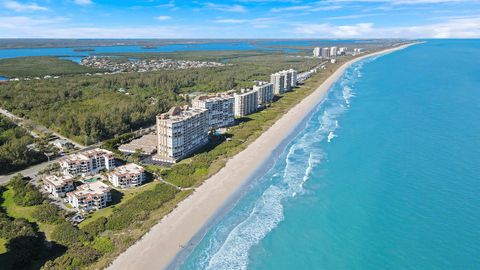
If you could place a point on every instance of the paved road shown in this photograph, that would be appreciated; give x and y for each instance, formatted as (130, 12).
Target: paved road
(25, 123)
(30, 171)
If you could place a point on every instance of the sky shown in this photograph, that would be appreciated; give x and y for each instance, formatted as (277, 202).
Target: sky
(240, 19)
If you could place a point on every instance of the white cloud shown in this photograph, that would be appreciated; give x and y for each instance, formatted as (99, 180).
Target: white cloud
(455, 28)
(83, 2)
(230, 21)
(163, 18)
(318, 6)
(401, 2)
(228, 8)
(19, 7)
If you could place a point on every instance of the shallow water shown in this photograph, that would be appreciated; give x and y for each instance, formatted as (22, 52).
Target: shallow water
(385, 175)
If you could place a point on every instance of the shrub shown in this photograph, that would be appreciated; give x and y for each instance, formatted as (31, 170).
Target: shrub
(137, 209)
(67, 234)
(25, 193)
(95, 227)
(103, 245)
(76, 258)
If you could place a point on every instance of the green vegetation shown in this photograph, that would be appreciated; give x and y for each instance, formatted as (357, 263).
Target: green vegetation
(3, 243)
(47, 213)
(25, 194)
(24, 229)
(193, 171)
(89, 109)
(40, 66)
(14, 151)
(214, 56)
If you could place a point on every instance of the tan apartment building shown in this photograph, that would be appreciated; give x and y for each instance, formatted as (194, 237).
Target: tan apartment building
(87, 162)
(246, 102)
(126, 176)
(278, 81)
(265, 92)
(58, 186)
(90, 197)
(220, 109)
(181, 131)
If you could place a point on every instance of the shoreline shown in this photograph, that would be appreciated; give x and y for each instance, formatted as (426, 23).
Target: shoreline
(173, 237)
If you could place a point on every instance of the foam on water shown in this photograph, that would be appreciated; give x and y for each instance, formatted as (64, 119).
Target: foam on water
(228, 246)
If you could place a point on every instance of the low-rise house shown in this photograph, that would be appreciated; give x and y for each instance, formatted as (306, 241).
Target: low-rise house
(58, 186)
(130, 175)
(88, 162)
(90, 197)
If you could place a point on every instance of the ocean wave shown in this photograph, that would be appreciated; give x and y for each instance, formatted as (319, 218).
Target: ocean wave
(228, 247)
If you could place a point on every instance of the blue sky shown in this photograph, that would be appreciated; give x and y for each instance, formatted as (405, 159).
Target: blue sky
(240, 19)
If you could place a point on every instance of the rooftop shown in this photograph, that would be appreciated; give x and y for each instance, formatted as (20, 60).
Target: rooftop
(178, 113)
(58, 181)
(86, 155)
(128, 169)
(90, 189)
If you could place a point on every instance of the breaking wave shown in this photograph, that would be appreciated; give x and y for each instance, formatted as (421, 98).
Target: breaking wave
(228, 243)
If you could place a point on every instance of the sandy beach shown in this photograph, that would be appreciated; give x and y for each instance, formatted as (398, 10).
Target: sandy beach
(165, 240)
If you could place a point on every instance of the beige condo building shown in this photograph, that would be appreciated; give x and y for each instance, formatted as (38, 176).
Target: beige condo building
(265, 92)
(220, 108)
(181, 131)
(246, 102)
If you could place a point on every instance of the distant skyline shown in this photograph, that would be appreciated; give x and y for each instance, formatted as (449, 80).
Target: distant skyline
(240, 19)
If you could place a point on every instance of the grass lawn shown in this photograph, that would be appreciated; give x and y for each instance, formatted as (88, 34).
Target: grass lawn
(3, 248)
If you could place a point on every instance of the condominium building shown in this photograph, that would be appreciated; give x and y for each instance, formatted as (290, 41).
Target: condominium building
(265, 92)
(333, 51)
(288, 81)
(130, 175)
(246, 102)
(220, 109)
(342, 50)
(90, 197)
(180, 131)
(293, 74)
(316, 52)
(88, 162)
(58, 186)
(278, 81)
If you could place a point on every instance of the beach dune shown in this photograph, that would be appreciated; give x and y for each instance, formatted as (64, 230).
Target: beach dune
(158, 248)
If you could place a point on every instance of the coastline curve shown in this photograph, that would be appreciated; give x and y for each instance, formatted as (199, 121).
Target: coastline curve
(164, 245)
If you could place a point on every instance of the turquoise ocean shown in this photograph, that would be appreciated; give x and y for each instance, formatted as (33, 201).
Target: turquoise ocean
(384, 174)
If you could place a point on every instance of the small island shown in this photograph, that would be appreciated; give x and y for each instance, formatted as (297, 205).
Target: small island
(149, 47)
(84, 50)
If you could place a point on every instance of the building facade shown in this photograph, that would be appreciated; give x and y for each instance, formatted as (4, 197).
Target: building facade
(325, 52)
(316, 52)
(246, 102)
(220, 109)
(90, 197)
(126, 176)
(58, 186)
(88, 162)
(278, 81)
(181, 131)
(265, 92)
(333, 51)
